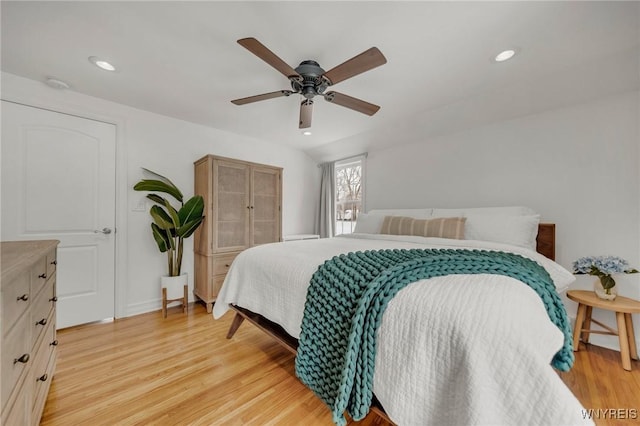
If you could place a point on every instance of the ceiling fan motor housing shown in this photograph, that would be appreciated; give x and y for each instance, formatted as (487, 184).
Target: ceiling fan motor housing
(312, 83)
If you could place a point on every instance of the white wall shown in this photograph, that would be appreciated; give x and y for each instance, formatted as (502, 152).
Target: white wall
(168, 146)
(578, 166)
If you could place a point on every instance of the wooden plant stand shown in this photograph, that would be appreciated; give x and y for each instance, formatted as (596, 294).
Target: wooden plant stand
(184, 300)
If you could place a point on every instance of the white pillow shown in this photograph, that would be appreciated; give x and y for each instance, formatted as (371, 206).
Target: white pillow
(497, 211)
(368, 223)
(515, 230)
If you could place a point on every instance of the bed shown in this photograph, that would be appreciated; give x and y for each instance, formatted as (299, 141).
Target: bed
(464, 348)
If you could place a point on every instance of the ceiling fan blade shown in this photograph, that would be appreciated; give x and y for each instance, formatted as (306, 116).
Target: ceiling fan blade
(365, 61)
(262, 97)
(352, 103)
(262, 52)
(306, 109)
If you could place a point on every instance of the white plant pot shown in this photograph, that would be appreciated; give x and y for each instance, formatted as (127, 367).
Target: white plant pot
(174, 285)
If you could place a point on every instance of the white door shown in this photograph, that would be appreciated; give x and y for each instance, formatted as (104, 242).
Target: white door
(58, 182)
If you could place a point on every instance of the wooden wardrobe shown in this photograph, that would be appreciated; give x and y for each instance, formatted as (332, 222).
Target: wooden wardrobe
(243, 208)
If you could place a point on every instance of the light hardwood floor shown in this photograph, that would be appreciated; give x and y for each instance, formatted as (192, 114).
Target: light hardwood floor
(146, 370)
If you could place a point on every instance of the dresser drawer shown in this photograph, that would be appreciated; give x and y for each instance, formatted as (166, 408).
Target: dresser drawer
(41, 310)
(16, 356)
(216, 284)
(15, 300)
(38, 275)
(52, 263)
(19, 413)
(41, 389)
(41, 372)
(221, 264)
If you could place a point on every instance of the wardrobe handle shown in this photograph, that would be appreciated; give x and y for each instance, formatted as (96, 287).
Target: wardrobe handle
(54, 343)
(43, 321)
(23, 359)
(24, 297)
(42, 276)
(53, 299)
(54, 262)
(43, 378)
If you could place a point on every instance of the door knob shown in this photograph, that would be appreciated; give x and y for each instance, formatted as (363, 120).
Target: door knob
(105, 231)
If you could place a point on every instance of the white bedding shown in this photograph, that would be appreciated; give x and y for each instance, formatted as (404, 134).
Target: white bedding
(457, 350)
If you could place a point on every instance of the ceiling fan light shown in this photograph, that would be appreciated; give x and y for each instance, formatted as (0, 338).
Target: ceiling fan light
(505, 55)
(101, 63)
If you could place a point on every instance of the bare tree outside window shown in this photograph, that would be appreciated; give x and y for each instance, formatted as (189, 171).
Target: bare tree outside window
(348, 195)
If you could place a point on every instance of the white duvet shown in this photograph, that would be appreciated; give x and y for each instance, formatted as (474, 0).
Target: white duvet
(452, 350)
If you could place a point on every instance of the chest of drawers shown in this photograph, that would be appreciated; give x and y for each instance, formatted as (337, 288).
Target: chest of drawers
(27, 328)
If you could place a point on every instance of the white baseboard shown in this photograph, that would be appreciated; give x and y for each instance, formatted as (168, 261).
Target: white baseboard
(148, 306)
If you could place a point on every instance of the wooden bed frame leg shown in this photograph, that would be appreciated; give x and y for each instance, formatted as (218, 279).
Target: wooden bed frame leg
(237, 321)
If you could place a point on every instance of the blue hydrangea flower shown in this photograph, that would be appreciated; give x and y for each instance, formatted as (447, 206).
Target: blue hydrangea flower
(602, 265)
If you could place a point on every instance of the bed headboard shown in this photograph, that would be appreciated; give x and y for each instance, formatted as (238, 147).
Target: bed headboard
(546, 240)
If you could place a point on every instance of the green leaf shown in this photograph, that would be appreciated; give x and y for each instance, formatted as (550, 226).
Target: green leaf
(161, 238)
(192, 209)
(158, 186)
(161, 218)
(156, 199)
(631, 271)
(607, 282)
(159, 176)
(189, 228)
(173, 214)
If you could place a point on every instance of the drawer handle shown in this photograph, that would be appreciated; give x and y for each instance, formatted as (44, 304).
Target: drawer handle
(53, 299)
(24, 297)
(226, 265)
(42, 276)
(43, 378)
(23, 359)
(54, 262)
(43, 321)
(54, 343)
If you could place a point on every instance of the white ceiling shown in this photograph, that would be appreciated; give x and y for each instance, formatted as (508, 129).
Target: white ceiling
(181, 59)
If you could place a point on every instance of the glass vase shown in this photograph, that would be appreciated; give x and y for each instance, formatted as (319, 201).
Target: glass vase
(602, 293)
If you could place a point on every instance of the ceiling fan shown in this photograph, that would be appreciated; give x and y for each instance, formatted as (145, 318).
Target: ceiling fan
(310, 80)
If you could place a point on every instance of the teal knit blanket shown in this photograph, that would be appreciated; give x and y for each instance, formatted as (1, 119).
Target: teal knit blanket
(349, 293)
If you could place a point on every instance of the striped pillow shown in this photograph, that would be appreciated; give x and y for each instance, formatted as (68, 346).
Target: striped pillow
(442, 227)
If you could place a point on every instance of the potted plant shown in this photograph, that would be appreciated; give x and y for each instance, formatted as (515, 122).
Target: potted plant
(171, 225)
(603, 267)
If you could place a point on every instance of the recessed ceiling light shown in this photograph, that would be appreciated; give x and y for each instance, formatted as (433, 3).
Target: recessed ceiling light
(101, 63)
(306, 133)
(505, 55)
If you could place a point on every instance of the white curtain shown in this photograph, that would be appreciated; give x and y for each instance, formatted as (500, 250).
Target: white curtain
(327, 214)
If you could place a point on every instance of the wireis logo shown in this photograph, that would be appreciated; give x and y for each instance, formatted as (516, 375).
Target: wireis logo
(610, 413)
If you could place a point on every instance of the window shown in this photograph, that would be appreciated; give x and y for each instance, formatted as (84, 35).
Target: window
(349, 193)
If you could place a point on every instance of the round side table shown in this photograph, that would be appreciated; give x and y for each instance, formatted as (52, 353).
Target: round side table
(622, 306)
